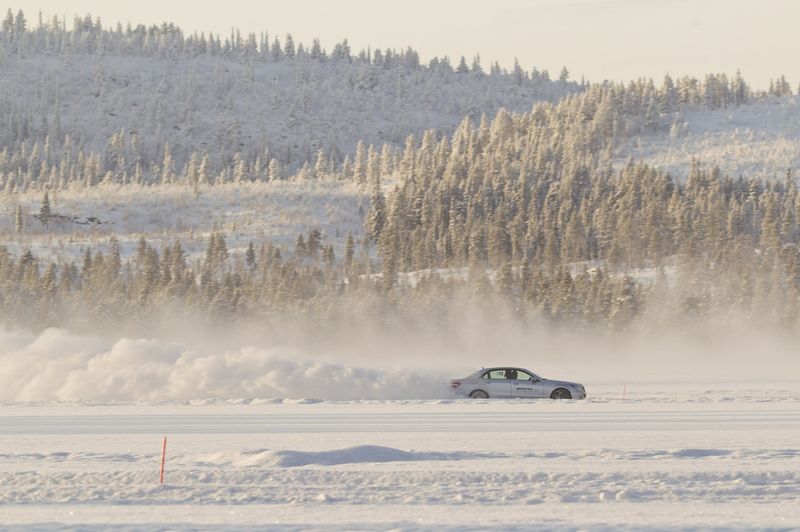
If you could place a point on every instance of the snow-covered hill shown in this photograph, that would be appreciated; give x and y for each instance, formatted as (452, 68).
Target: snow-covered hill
(136, 101)
(760, 140)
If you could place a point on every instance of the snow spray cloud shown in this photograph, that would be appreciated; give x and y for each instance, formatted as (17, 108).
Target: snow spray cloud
(59, 366)
(384, 357)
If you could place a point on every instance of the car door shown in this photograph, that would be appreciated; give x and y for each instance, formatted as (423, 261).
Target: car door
(496, 383)
(527, 385)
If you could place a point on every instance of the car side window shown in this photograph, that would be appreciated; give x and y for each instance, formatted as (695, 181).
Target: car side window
(524, 376)
(497, 374)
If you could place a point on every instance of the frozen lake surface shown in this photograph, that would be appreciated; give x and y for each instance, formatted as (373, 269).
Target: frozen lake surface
(670, 456)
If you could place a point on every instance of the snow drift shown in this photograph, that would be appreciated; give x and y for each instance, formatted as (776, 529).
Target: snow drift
(59, 366)
(351, 455)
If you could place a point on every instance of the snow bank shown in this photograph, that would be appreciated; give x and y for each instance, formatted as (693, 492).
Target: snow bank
(351, 455)
(57, 365)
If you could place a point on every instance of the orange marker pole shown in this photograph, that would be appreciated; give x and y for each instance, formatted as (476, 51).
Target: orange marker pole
(163, 458)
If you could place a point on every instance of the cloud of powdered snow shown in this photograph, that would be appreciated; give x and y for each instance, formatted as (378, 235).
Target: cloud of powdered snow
(57, 365)
(407, 361)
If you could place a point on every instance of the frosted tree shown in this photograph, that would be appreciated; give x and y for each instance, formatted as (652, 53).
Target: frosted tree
(240, 174)
(216, 253)
(45, 213)
(250, 256)
(316, 50)
(274, 172)
(476, 68)
(376, 217)
(313, 243)
(19, 220)
(373, 166)
(167, 170)
(360, 164)
(349, 251)
(300, 249)
(289, 48)
(321, 165)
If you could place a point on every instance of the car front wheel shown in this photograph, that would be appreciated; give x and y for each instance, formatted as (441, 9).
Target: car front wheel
(560, 393)
(479, 394)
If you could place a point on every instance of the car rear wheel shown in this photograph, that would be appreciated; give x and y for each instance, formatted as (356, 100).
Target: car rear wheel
(479, 394)
(560, 393)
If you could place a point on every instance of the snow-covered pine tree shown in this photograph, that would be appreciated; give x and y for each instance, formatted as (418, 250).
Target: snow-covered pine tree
(44, 211)
(19, 220)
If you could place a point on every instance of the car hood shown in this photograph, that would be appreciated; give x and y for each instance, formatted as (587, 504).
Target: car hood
(561, 383)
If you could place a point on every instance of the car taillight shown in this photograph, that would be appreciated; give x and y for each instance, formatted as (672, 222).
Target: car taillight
(455, 384)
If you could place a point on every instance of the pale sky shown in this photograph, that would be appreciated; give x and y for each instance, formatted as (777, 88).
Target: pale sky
(600, 39)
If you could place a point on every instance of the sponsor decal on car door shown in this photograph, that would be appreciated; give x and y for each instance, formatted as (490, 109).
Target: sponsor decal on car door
(527, 386)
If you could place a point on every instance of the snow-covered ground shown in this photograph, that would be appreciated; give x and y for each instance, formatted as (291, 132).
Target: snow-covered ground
(688, 456)
(759, 140)
(258, 212)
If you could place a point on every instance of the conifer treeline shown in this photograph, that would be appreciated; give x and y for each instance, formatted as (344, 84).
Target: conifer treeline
(161, 140)
(596, 120)
(537, 189)
(722, 250)
(87, 35)
(527, 204)
(523, 211)
(137, 104)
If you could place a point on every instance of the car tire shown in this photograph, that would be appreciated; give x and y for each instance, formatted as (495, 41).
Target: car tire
(560, 393)
(479, 394)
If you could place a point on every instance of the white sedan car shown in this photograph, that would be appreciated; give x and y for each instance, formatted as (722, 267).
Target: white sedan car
(514, 382)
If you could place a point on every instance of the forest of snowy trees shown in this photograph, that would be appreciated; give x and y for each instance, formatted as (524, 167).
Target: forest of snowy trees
(140, 104)
(517, 205)
(149, 105)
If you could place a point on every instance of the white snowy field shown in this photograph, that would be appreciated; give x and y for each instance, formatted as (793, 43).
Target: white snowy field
(760, 140)
(668, 456)
(275, 211)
